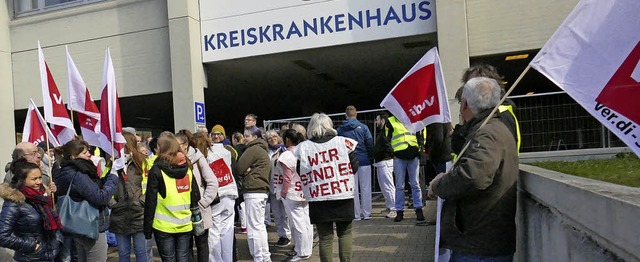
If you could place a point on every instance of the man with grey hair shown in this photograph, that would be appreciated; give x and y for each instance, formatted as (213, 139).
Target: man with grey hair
(478, 215)
(24, 150)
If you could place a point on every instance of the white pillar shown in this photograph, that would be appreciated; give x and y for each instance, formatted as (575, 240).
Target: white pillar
(7, 132)
(453, 46)
(187, 72)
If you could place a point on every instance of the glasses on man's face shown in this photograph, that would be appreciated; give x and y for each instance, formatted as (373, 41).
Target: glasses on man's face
(249, 120)
(34, 153)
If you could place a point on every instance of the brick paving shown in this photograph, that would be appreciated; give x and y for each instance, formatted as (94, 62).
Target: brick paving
(378, 239)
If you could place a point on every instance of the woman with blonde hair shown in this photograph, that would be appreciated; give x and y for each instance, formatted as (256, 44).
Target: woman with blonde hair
(170, 197)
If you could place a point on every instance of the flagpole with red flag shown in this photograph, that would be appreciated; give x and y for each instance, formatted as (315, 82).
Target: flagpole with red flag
(111, 138)
(81, 102)
(54, 109)
(420, 97)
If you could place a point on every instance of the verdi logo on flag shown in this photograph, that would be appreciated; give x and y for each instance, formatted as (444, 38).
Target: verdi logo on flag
(623, 90)
(594, 56)
(420, 97)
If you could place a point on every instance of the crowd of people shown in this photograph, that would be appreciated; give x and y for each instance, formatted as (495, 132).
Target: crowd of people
(186, 190)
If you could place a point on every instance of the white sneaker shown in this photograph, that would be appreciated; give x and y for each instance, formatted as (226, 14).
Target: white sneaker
(297, 258)
(392, 214)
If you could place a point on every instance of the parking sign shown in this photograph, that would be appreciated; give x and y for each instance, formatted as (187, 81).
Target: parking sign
(199, 110)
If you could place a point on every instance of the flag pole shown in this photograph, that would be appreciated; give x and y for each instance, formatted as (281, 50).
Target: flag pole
(486, 120)
(46, 132)
(71, 115)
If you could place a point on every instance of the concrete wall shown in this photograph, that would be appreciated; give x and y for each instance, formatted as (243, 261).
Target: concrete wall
(567, 218)
(7, 133)
(498, 26)
(135, 30)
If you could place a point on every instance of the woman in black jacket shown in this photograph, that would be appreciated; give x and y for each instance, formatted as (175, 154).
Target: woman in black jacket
(88, 186)
(28, 223)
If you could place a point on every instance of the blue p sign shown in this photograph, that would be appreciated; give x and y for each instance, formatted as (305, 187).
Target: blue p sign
(200, 118)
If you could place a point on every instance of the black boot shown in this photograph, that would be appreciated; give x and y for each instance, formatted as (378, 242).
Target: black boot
(399, 216)
(419, 214)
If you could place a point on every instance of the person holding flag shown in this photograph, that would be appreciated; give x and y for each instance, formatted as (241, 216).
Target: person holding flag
(478, 214)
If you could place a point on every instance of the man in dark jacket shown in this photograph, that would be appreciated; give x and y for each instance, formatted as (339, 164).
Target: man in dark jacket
(478, 221)
(354, 129)
(383, 161)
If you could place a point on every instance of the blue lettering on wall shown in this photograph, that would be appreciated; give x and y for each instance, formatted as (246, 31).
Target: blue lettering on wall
(362, 19)
(423, 6)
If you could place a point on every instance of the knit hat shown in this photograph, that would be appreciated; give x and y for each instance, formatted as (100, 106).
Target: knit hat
(218, 128)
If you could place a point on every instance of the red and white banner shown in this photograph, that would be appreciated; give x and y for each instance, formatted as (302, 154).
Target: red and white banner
(110, 121)
(81, 102)
(594, 56)
(420, 98)
(35, 128)
(54, 110)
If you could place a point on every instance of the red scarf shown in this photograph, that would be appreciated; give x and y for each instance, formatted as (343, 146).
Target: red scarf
(44, 205)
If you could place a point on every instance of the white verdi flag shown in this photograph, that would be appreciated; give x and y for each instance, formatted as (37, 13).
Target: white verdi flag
(54, 110)
(420, 97)
(111, 139)
(81, 102)
(594, 57)
(35, 129)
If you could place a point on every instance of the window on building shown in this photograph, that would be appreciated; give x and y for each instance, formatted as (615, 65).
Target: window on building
(28, 7)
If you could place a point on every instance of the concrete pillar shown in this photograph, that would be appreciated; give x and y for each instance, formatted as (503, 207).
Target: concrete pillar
(187, 72)
(7, 132)
(453, 46)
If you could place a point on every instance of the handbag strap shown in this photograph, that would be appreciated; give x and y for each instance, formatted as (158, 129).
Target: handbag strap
(71, 184)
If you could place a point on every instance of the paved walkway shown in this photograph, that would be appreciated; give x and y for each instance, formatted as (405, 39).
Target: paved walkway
(378, 239)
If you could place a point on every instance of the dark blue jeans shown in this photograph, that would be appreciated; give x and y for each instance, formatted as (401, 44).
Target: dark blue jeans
(173, 247)
(459, 257)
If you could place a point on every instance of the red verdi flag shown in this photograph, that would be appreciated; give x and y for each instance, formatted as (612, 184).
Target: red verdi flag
(420, 98)
(594, 56)
(110, 122)
(54, 110)
(80, 101)
(35, 128)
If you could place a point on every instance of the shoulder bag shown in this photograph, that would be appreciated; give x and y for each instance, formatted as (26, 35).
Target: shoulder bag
(78, 218)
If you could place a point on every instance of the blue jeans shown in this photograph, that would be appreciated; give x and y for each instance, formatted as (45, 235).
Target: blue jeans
(400, 168)
(173, 246)
(139, 247)
(459, 257)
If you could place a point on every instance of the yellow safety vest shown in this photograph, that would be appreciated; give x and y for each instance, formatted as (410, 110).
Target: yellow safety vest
(146, 166)
(401, 138)
(173, 214)
(509, 108)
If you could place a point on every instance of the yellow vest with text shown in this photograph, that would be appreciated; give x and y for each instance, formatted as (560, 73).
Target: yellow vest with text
(509, 108)
(173, 213)
(401, 138)
(146, 166)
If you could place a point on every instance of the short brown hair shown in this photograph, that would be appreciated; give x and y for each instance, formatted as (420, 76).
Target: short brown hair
(351, 111)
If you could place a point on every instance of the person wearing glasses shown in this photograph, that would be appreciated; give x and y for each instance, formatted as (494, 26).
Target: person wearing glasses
(27, 151)
(250, 120)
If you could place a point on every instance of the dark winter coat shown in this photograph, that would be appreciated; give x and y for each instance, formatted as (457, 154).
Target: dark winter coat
(354, 129)
(21, 226)
(382, 149)
(127, 205)
(480, 192)
(96, 191)
(439, 142)
(255, 158)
